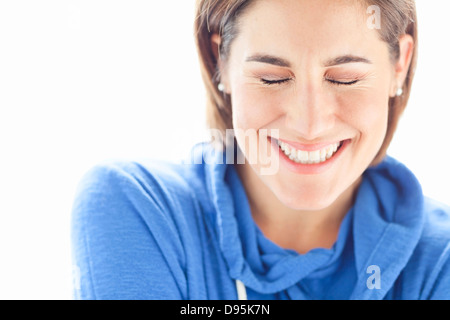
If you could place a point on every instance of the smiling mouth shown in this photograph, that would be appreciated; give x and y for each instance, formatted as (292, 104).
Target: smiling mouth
(310, 157)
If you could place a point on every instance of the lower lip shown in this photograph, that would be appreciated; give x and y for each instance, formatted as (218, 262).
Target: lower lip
(316, 168)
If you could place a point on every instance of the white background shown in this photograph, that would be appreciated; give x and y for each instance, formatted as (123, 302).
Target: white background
(84, 81)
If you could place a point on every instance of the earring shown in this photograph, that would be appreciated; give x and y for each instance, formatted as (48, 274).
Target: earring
(399, 92)
(221, 87)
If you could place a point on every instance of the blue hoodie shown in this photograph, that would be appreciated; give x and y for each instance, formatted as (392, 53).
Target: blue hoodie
(159, 230)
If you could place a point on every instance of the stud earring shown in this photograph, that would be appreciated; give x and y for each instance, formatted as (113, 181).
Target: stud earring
(221, 87)
(399, 92)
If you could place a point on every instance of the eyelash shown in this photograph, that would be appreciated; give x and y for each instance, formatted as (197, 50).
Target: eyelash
(273, 82)
(339, 83)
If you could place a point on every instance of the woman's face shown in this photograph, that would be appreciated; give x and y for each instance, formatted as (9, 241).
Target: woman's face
(315, 71)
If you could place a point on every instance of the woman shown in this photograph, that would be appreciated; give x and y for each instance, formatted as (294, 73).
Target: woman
(316, 88)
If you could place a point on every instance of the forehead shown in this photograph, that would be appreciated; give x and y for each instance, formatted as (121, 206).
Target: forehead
(317, 27)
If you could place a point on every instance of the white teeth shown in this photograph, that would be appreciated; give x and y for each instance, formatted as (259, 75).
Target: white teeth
(329, 152)
(303, 156)
(309, 157)
(287, 150)
(314, 156)
(323, 154)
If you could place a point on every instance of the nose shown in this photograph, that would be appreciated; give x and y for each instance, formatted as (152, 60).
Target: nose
(310, 113)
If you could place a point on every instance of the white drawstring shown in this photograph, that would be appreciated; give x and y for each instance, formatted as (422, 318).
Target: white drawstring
(241, 291)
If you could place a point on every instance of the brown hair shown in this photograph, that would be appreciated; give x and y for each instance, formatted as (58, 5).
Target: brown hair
(221, 17)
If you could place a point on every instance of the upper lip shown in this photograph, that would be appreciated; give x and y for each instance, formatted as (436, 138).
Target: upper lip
(309, 146)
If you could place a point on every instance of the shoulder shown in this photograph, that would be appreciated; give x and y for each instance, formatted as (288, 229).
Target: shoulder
(435, 239)
(166, 184)
(437, 221)
(427, 273)
(171, 194)
(160, 183)
(435, 236)
(436, 233)
(430, 262)
(123, 173)
(127, 213)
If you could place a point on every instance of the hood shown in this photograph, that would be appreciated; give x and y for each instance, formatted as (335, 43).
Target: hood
(383, 227)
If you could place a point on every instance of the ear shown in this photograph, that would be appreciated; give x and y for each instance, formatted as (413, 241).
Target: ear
(216, 40)
(406, 46)
(215, 45)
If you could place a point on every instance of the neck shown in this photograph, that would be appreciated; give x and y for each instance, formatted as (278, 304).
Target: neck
(300, 230)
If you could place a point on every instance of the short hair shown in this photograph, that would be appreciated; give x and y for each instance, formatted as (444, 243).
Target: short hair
(221, 16)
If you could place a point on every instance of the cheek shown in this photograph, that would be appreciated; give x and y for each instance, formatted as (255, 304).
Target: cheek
(367, 113)
(253, 108)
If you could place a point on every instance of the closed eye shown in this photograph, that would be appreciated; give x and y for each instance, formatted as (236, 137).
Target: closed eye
(281, 81)
(273, 82)
(342, 83)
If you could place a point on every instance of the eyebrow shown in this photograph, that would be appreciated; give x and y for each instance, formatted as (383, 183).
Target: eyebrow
(264, 58)
(346, 59)
(277, 61)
